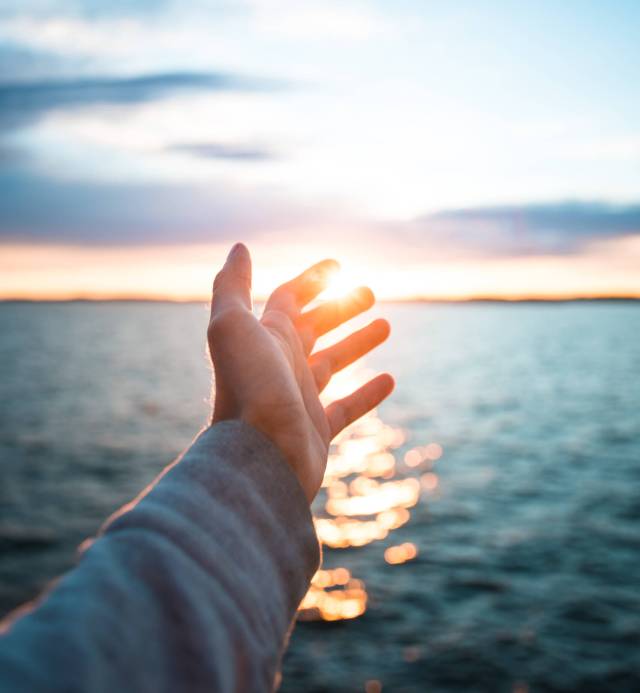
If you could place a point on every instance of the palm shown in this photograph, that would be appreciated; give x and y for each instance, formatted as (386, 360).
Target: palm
(265, 373)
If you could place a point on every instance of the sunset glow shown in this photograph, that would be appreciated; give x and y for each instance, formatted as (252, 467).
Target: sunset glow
(607, 269)
(422, 146)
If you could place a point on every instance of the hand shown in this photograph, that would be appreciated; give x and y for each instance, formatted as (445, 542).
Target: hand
(264, 372)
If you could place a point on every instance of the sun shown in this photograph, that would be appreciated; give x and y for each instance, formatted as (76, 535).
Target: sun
(339, 286)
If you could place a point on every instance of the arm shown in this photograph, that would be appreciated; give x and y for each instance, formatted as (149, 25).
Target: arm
(191, 588)
(194, 585)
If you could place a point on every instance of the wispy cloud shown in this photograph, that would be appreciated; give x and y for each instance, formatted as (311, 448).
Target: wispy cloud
(225, 152)
(21, 103)
(35, 209)
(24, 63)
(527, 229)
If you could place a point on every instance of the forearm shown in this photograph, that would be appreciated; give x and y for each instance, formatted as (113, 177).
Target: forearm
(193, 587)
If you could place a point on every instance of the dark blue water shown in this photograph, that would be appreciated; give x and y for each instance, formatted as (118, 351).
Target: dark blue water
(527, 575)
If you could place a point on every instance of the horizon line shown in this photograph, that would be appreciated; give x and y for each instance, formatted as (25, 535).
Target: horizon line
(622, 298)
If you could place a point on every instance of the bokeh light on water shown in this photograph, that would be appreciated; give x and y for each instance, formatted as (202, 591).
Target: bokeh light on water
(367, 492)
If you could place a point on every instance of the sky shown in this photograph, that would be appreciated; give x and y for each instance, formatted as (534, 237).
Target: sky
(436, 149)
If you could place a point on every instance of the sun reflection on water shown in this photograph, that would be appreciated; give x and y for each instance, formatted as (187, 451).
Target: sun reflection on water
(367, 493)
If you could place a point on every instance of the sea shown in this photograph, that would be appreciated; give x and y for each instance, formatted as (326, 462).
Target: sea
(480, 529)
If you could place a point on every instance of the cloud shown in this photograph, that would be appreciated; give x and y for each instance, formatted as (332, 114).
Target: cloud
(225, 152)
(35, 209)
(527, 229)
(21, 103)
(20, 63)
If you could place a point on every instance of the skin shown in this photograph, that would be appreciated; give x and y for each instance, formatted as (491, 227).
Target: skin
(265, 371)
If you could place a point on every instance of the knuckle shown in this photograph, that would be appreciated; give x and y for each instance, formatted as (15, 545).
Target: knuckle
(279, 292)
(309, 324)
(279, 320)
(325, 371)
(213, 330)
(331, 362)
(221, 323)
(283, 298)
(295, 336)
(308, 338)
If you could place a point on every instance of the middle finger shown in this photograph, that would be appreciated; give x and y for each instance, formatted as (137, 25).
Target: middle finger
(327, 316)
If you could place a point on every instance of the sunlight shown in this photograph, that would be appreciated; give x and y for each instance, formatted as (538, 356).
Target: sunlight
(54, 271)
(340, 285)
(366, 495)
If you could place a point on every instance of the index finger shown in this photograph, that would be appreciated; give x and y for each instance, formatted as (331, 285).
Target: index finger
(293, 296)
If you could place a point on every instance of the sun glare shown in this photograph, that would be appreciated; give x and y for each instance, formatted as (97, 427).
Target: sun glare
(367, 493)
(341, 284)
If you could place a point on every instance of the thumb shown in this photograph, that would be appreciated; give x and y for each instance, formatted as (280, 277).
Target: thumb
(232, 285)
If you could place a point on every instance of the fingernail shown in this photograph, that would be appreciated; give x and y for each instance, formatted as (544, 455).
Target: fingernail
(233, 251)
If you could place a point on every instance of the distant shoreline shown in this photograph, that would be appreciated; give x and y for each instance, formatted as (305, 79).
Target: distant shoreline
(401, 301)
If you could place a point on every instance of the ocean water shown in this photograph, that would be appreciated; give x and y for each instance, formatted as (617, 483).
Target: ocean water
(515, 430)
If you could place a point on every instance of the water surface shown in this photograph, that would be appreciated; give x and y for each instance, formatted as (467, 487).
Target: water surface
(527, 543)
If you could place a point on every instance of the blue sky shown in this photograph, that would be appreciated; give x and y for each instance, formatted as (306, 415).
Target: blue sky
(428, 129)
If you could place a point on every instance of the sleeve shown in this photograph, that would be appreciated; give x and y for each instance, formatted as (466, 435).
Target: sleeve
(191, 587)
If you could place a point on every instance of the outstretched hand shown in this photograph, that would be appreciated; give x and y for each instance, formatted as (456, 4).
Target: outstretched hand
(265, 372)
